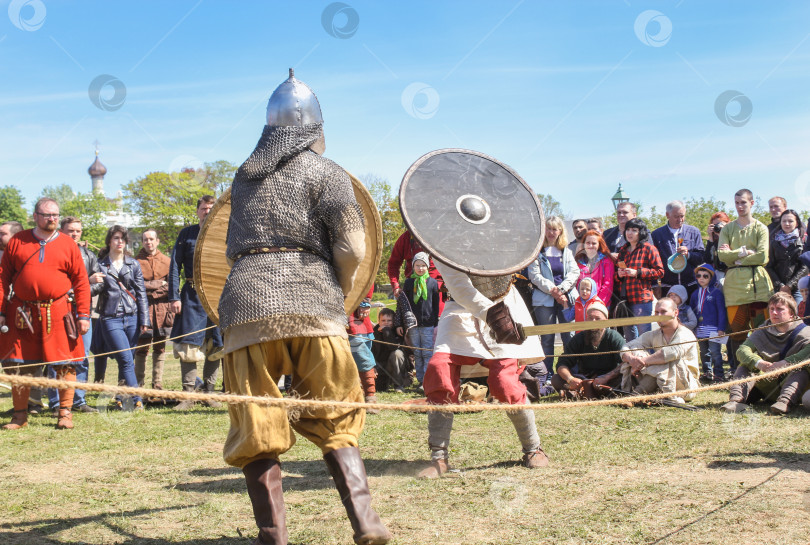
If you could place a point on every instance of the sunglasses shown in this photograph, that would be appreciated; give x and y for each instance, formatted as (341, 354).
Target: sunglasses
(700, 275)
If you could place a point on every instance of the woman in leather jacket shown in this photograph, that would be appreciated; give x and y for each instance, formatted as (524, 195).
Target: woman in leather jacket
(123, 308)
(787, 244)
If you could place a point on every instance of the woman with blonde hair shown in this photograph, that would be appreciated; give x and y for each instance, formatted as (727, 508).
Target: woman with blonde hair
(554, 276)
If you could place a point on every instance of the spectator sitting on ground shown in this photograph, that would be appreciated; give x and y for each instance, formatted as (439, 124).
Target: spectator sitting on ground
(581, 365)
(668, 369)
(392, 361)
(685, 313)
(769, 349)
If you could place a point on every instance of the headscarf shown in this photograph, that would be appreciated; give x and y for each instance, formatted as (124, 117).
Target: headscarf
(420, 280)
(786, 239)
(593, 290)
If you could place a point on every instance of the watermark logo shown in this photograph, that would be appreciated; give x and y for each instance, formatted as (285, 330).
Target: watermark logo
(806, 500)
(188, 164)
(733, 108)
(744, 425)
(508, 495)
(653, 28)
(340, 20)
(420, 100)
(108, 407)
(107, 93)
(28, 15)
(802, 189)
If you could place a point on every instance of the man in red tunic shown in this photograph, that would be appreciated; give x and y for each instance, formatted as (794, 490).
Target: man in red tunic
(38, 270)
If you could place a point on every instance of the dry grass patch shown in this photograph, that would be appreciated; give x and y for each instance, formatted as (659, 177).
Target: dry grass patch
(617, 476)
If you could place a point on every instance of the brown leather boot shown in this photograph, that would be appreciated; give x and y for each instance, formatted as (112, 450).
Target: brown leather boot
(19, 396)
(65, 422)
(369, 381)
(346, 467)
(263, 478)
(436, 469)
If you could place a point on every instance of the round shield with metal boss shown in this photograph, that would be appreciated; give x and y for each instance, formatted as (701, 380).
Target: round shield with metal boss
(472, 212)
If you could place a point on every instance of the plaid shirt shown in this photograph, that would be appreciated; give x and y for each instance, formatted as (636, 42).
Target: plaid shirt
(646, 260)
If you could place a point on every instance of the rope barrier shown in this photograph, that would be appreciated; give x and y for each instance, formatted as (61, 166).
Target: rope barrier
(615, 351)
(93, 356)
(297, 404)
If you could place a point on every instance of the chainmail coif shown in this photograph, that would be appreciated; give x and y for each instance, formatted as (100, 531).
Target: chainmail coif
(285, 195)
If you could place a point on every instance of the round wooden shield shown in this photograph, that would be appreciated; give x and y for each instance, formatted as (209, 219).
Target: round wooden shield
(211, 267)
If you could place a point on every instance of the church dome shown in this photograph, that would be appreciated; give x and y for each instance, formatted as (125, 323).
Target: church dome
(97, 168)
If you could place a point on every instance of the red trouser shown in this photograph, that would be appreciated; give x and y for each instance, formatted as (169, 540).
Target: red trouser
(442, 379)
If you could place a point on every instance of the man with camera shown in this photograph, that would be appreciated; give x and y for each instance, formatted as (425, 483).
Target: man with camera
(677, 237)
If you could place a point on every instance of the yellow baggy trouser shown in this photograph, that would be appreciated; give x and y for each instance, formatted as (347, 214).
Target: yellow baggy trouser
(321, 368)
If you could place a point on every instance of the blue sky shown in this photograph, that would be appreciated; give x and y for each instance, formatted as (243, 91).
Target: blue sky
(575, 96)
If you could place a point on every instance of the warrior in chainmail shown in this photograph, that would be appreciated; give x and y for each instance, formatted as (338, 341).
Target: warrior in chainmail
(295, 237)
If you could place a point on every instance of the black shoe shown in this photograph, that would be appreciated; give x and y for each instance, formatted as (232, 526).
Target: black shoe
(84, 408)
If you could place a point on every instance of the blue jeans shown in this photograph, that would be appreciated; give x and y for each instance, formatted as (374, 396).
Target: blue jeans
(546, 316)
(633, 331)
(711, 358)
(82, 371)
(121, 333)
(421, 337)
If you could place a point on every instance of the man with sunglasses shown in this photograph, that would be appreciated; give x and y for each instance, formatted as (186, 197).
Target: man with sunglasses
(38, 269)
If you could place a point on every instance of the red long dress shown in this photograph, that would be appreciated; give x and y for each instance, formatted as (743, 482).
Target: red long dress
(54, 269)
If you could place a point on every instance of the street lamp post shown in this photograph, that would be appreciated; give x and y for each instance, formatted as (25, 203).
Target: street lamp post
(619, 197)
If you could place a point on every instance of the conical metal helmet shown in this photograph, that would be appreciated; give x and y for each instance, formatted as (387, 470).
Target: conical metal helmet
(293, 104)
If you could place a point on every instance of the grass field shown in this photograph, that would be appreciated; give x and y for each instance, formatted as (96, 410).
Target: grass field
(617, 475)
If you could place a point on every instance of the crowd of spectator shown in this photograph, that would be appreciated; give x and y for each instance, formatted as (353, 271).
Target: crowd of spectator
(741, 275)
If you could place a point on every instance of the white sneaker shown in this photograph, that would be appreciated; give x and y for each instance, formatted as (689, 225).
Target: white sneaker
(677, 399)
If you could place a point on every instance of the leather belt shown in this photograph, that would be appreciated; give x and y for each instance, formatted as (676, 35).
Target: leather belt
(269, 250)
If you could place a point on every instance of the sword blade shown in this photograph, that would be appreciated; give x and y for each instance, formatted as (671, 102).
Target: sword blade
(591, 324)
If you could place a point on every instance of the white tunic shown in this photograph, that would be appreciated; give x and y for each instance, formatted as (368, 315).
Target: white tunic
(457, 332)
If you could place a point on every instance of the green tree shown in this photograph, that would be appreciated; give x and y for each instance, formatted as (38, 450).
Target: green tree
(12, 205)
(392, 224)
(218, 176)
(166, 202)
(550, 206)
(89, 207)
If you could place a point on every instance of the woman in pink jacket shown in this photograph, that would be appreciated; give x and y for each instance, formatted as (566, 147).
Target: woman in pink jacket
(596, 263)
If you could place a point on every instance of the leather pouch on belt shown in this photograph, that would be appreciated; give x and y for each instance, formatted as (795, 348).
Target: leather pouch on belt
(23, 319)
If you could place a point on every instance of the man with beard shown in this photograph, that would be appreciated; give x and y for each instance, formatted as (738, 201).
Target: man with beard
(38, 270)
(673, 363)
(579, 228)
(578, 363)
